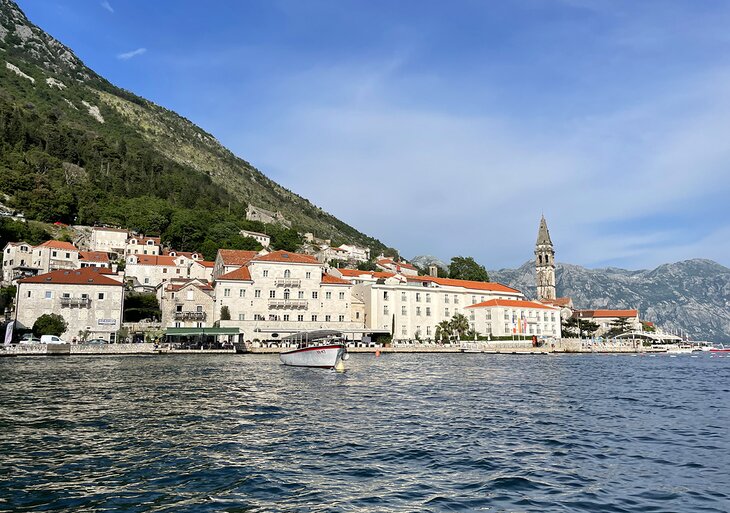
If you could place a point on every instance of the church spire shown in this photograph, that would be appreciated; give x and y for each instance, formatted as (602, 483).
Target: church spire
(543, 234)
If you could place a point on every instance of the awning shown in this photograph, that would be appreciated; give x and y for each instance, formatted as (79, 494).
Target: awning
(179, 332)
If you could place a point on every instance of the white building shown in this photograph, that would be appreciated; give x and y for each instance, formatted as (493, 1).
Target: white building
(411, 306)
(283, 293)
(327, 254)
(18, 262)
(261, 238)
(356, 253)
(55, 254)
(390, 265)
(109, 240)
(88, 299)
(187, 304)
(510, 317)
(606, 318)
(149, 271)
(94, 259)
(141, 245)
(228, 260)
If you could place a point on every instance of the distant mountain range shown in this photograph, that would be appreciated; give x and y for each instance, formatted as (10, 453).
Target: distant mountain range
(691, 296)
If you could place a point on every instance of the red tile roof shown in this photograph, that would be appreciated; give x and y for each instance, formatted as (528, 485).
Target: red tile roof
(58, 244)
(466, 284)
(512, 303)
(389, 262)
(156, 260)
(236, 256)
(355, 273)
(240, 274)
(607, 313)
(561, 301)
(83, 276)
(287, 256)
(174, 287)
(328, 279)
(206, 263)
(94, 256)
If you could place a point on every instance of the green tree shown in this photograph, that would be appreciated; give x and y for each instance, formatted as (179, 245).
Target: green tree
(7, 296)
(138, 306)
(466, 268)
(618, 327)
(459, 325)
(443, 331)
(569, 328)
(367, 266)
(50, 324)
(225, 313)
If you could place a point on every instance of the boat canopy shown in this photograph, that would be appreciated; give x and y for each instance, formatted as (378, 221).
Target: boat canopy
(311, 336)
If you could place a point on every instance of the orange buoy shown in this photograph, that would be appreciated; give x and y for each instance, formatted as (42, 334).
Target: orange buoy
(377, 352)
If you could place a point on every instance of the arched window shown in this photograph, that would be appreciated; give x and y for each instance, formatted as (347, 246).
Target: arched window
(287, 273)
(539, 257)
(286, 292)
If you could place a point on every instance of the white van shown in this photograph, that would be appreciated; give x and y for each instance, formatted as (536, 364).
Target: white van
(51, 339)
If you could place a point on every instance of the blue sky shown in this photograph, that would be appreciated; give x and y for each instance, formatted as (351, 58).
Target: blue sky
(448, 128)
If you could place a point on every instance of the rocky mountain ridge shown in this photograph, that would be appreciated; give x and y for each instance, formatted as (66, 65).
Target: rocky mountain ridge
(691, 296)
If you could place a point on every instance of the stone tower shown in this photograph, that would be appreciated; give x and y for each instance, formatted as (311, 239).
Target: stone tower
(544, 263)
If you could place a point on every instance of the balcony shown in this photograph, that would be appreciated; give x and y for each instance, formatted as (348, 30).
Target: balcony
(189, 316)
(293, 304)
(80, 302)
(287, 282)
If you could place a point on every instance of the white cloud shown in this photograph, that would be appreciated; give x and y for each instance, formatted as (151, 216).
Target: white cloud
(134, 53)
(106, 5)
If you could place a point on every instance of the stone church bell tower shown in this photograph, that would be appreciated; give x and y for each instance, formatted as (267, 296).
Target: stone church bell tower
(544, 263)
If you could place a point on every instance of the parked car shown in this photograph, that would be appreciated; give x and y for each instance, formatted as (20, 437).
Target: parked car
(96, 341)
(29, 338)
(51, 339)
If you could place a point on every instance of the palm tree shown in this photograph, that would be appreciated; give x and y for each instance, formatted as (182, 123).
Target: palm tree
(459, 325)
(443, 330)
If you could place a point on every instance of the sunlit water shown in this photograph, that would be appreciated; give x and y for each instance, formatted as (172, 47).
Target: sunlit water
(395, 433)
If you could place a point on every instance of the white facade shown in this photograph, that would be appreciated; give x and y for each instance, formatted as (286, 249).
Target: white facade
(356, 253)
(261, 238)
(55, 254)
(411, 306)
(143, 246)
(606, 318)
(88, 300)
(500, 318)
(188, 304)
(18, 261)
(390, 265)
(149, 271)
(284, 293)
(108, 240)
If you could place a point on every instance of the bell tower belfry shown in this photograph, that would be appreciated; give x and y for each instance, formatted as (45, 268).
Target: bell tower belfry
(544, 263)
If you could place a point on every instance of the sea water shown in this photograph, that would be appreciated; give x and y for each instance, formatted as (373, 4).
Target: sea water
(399, 432)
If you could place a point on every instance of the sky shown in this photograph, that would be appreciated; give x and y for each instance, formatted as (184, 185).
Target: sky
(449, 128)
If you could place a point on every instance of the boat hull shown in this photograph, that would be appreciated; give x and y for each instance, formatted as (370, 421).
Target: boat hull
(322, 356)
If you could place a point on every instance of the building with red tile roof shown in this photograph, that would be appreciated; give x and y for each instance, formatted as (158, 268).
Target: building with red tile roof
(521, 318)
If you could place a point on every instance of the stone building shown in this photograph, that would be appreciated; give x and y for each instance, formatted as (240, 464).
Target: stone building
(505, 317)
(17, 262)
(109, 240)
(261, 238)
(545, 263)
(606, 319)
(266, 216)
(146, 272)
(228, 260)
(55, 254)
(90, 300)
(187, 304)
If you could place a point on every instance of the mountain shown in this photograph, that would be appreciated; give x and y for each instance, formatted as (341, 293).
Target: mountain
(423, 261)
(76, 148)
(692, 296)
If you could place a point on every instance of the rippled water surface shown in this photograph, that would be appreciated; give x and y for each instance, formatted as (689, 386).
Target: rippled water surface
(395, 433)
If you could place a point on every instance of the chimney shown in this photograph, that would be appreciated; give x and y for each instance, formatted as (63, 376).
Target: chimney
(433, 270)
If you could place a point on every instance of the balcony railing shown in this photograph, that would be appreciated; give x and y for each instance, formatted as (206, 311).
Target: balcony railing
(297, 304)
(287, 282)
(81, 302)
(189, 316)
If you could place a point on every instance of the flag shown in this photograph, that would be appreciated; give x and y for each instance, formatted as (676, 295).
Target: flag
(9, 333)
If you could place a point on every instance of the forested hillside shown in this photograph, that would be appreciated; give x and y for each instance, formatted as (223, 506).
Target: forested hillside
(76, 149)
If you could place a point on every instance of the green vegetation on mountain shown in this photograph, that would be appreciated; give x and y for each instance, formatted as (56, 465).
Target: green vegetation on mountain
(76, 149)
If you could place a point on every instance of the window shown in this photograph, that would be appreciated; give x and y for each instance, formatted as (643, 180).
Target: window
(164, 270)
(342, 295)
(146, 280)
(100, 296)
(489, 315)
(328, 295)
(68, 255)
(428, 311)
(446, 299)
(456, 299)
(266, 273)
(403, 296)
(300, 318)
(506, 315)
(473, 300)
(341, 318)
(257, 293)
(403, 330)
(190, 295)
(241, 317)
(177, 271)
(418, 297)
(287, 274)
(446, 313)
(49, 294)
(386, 297)
(199, 308)
(418, 311)
(314, 317)
(315, 294)
(84, 296)
(428, 298)
(272, 294)
(286, 317)
(357, 315)
(300, 294)
(242, 293)
(177, 324)
(327, 318)
(287, 293)
(308, 275)
(226, 292)
(428, 330)
(53, 253)
(385, 308)
(403, 310)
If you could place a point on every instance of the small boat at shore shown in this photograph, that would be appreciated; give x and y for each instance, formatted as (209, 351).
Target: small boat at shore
(719, 349)
(323, 349)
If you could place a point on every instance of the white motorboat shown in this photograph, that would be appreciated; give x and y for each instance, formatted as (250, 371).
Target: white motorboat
(324, 349)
